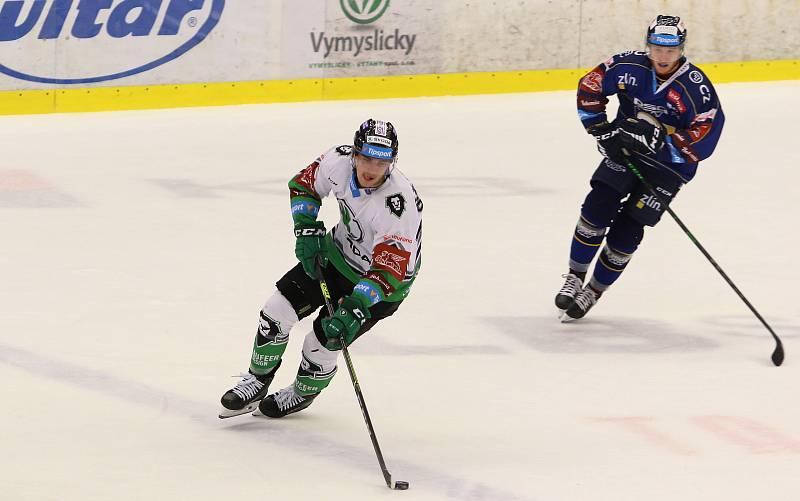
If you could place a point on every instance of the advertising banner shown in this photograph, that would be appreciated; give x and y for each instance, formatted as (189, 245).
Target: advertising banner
(87, 43)
(339, 38)
(72, 44)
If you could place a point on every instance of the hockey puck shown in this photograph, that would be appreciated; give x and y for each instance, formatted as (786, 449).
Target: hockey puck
(401, 485)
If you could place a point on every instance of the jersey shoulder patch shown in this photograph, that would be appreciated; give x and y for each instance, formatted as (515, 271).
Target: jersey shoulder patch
(396, 204)
(344, 149)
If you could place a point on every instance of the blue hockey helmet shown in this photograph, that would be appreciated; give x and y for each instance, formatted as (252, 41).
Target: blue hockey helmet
(376, 139)
(667, 31)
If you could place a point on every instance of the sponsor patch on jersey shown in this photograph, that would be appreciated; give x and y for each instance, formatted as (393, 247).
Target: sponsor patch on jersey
(370, 291)
(392, 260)
(379, 279)
(695, 76)
(396, 204)
(304, 207)
(698, 132)
(684, 145)
(344, 150)
(593, 82)
(675, 98)
(394, 237)
(653, 109)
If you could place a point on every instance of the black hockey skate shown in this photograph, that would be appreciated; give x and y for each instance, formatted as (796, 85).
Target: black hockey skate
(566, 296)
(584, 301)
(245, 396)
(284, 402)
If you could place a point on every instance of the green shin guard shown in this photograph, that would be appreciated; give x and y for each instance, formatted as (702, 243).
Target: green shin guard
(311, 379)
(266, 354)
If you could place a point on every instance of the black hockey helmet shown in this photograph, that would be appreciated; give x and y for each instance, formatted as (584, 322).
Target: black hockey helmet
(376, 139)
(667, 31)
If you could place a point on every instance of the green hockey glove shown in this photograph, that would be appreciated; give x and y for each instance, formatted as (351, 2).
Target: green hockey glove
(351, 314)
(310, 243)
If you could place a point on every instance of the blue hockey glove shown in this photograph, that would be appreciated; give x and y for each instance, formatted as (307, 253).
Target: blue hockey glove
(608, 140)
(310, 243)
(642, 136)
(351, 314)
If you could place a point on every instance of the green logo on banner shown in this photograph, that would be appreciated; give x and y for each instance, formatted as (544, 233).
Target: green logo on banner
(364, 11)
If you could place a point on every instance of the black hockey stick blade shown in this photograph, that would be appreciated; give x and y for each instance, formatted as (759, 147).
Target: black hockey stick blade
(777, 355)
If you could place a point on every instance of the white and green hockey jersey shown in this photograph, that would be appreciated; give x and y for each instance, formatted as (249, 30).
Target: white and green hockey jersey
(378, 240)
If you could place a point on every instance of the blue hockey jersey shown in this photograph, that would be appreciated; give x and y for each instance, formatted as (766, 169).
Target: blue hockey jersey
(685, 103)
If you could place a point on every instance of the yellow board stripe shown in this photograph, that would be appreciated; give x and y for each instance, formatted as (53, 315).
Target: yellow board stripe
(282, 91)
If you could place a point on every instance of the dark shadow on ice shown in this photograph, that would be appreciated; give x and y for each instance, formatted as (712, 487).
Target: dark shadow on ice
(592, 335)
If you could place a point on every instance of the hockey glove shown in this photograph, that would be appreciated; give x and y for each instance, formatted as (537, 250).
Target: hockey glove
(608, 140)
(310, 243)
(642, 136)
(351, 314)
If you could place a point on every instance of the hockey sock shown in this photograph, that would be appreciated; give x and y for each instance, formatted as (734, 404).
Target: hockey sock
(579, 274)
(609, 267)
(586, 241)
(623, 239)
(317, 367)
(277, 318)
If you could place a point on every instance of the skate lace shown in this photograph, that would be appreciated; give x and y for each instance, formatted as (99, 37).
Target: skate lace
(248, 386)
(586, 299)
(571, 286)
(287, 398)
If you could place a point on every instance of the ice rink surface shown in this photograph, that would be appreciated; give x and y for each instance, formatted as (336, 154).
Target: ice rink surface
(138, 248)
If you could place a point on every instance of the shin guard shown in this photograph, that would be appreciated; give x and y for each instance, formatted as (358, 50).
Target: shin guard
(277, 319)
(317, 367)
(585, 242)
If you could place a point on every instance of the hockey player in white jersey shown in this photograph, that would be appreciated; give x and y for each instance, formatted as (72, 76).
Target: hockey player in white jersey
(370, 260)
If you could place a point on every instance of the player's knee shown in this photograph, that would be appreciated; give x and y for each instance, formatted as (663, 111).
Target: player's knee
(277, 318)
(626, 234)
(601, 205)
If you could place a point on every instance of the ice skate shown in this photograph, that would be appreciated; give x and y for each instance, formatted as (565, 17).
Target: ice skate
(245, 396)
(284, 402)
(584, 301)
(566, 296)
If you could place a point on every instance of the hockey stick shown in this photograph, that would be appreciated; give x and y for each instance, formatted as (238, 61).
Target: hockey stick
(326, 295)
(777, 354)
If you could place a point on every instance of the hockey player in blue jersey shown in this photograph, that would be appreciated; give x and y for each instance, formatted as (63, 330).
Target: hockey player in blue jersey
(669, 119)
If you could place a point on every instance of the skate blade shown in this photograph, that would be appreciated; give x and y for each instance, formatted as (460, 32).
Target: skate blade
(228, 413)
(565, 319)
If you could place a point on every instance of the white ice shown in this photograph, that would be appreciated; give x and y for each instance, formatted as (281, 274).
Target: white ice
(138, 248)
